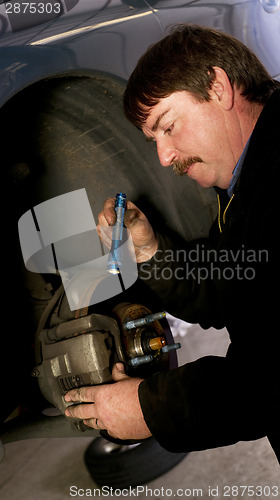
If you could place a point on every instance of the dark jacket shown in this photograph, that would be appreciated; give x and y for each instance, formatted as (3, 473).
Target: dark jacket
(229, 280)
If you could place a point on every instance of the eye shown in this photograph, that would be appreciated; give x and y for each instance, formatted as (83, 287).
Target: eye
(169, 129)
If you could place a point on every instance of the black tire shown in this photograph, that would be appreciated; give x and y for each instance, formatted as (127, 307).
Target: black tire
(65, 134)
(128, 466)
(71, 133)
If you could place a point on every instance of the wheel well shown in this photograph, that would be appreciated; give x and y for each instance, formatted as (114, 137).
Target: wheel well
(64, 134)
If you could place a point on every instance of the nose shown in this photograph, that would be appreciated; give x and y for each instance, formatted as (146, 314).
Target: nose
(166, 154)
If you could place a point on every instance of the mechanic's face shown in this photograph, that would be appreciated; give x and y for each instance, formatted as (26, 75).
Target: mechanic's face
(194, 137)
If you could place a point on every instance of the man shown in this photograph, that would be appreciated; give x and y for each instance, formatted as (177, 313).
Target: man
(213, 111)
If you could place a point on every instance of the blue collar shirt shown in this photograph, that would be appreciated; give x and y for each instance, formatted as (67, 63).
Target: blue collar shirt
(237, 170)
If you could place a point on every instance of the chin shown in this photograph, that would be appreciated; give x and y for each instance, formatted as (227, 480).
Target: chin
(201, 176)
(205, 183)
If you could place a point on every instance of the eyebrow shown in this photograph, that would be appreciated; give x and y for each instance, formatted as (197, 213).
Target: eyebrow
(157, 122)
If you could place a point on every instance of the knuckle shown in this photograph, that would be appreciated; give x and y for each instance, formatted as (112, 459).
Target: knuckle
(88, 394)
(71, 411)
(82, 411)
(109, 203)
(88, 411)
(89, 422)
(80, 394)
(73, 394)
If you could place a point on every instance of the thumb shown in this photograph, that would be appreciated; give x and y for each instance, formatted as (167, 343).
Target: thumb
(118, 372)
(130, 217)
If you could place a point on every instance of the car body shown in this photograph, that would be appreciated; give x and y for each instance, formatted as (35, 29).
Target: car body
(104, 39)
(109, 36)
(63, 68)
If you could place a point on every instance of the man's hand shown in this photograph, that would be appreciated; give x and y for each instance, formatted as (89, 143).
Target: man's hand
(114, 407)
(143, 237)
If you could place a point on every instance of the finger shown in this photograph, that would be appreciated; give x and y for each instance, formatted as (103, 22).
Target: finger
(112, 435)
(108, 214)
(109, 211)
(105, 234)
(130, 217)
(118, 372)
(83, 394)
(102, 221)
(130, 205)
(83, 411)
(94, 423)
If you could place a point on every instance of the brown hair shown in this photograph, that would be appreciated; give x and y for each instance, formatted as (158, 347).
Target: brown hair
(184, 60)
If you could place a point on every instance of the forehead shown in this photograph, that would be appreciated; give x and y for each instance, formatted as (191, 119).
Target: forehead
(164, 109)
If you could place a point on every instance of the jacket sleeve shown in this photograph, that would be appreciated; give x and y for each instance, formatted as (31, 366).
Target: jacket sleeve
(215, 401)
(182, 277)
(196, 407)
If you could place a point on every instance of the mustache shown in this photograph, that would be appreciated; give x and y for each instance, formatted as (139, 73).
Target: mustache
(182, 167)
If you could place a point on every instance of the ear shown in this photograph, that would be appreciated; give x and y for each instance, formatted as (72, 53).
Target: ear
(222, 90)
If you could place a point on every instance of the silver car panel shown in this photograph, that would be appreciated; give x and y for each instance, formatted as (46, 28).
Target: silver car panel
(110, 36)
